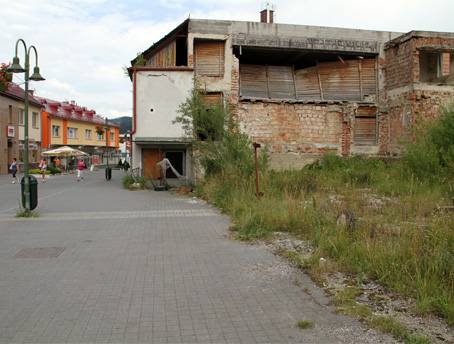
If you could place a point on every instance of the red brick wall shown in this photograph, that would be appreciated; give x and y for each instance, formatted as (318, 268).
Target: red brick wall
(415, 99)
(290, 127)
(407, 107)
(399, 65)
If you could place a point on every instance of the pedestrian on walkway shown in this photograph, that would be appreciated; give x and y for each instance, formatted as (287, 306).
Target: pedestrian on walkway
(43, 167)
(14, 169)
(57, 162)
(80, 169)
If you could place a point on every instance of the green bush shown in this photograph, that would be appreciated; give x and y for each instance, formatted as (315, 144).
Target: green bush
(432, 155)
(38, 171)
(216, 136)
(128, 180)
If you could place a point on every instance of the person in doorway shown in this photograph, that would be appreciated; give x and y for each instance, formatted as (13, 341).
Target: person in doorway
(14, 168)
(80, 169)
(57, 162)
(43, 167)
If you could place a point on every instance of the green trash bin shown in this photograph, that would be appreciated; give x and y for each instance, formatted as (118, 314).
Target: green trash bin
(33, 190)
(108, 173)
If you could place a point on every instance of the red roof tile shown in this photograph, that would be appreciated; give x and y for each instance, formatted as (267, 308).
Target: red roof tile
(71, 111)
(19, 93)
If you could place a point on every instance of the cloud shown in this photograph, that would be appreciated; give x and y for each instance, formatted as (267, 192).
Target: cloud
(83, 44)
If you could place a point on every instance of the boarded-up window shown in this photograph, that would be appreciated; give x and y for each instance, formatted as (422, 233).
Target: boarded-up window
(340, 81)
(253, 81)
(275, 82)
(307, 84)
(281, 83)
(209, 58)
(368, 79)
(365, 129)
(335, 80)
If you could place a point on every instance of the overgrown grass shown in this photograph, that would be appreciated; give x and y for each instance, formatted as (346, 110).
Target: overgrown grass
(399, 237)
(345, 303)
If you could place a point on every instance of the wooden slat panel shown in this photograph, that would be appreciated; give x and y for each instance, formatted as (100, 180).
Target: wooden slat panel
(281, 82)
(253, 81)
(369, 77)
(209, 58)
(163, 58)
(340, 81)
(365, 130)
(328, 81)
(446, 63)
(307, 86)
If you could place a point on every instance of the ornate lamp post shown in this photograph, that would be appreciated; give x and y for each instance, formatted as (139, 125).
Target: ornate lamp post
(108, 171)
(16, 68)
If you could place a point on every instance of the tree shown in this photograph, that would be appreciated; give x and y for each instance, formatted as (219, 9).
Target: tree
(215, 134)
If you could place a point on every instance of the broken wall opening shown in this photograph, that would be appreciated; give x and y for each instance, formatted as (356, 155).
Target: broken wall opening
(307, 76)
(433, 66)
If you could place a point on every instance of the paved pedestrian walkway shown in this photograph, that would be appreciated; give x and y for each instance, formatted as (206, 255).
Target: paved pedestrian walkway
(102, 264)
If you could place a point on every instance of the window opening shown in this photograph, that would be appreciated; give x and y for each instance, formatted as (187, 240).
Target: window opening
(209, 58)
(365, 129)
(55, 131)
(435, 67)
(21, 116)
(72, 133)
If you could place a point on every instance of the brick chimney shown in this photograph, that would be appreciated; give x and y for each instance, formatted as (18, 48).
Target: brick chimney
(267, 15)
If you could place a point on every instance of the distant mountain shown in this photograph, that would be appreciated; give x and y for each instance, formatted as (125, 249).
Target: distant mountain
(124, 122)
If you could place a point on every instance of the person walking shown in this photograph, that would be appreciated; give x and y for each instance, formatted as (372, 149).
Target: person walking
(80, 169)
(43, 167)
(14, 169)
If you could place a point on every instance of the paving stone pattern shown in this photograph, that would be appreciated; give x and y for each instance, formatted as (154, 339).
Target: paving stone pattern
(145, 267)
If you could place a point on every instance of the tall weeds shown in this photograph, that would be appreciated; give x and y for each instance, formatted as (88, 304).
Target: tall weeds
(400, 237)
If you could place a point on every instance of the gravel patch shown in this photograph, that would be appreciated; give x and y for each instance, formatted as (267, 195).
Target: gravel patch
(379, 299)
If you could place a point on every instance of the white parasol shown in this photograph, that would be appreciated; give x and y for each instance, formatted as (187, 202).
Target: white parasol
(64, 151)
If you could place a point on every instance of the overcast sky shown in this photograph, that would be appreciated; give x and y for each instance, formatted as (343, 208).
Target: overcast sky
(83, 45)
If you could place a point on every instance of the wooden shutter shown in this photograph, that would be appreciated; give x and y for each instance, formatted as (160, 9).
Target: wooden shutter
(281, 83)
(368, 77)
(340, 81)
(253, 82)
(307, 84)
(209, 58)
(365, 130)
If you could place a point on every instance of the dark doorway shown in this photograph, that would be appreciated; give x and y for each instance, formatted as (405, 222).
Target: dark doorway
(176, 159)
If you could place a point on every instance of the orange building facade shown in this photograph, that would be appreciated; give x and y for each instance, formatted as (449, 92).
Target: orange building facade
(67, 124)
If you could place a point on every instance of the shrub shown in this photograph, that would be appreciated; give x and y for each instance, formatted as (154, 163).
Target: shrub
(128, 180)
(216, 136)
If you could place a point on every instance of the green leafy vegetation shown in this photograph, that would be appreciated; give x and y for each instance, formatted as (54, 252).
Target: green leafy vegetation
(402, 234)
(303, 324)
(133, 183)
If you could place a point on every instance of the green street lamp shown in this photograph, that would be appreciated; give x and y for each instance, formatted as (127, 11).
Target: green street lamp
(16, 68)
(108, 170)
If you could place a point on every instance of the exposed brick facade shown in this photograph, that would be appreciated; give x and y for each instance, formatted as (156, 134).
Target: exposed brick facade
(408, 99)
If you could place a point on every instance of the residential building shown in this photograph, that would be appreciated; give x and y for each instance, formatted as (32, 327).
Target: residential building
(67, 124)
(302, 90)
(12, 121)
